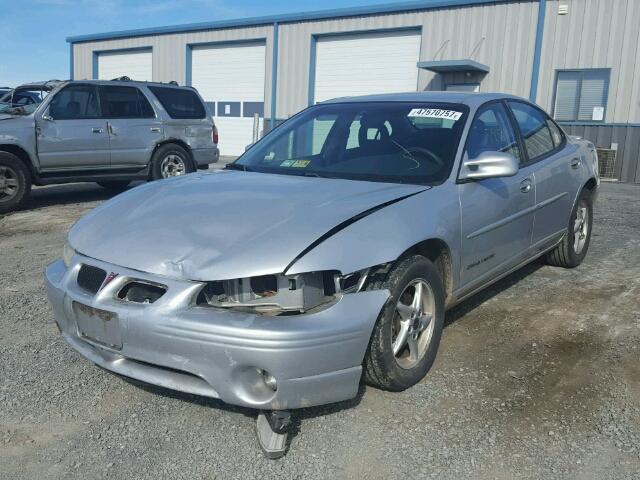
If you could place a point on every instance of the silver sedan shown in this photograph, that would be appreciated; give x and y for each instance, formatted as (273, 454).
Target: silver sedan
(328, 252)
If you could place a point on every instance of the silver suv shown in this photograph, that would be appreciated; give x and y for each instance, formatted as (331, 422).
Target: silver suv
(109, 132)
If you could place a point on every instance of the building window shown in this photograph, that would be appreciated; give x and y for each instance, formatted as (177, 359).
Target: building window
(581, 95)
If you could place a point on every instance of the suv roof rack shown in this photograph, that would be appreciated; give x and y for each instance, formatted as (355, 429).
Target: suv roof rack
(125, 78)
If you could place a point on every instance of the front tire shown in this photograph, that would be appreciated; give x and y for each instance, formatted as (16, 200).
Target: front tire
(571, 251)
(407, 333)
(169, 161)
(15, 182)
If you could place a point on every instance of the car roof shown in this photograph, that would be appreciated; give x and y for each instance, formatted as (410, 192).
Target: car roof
(472, 99)
(129, 82)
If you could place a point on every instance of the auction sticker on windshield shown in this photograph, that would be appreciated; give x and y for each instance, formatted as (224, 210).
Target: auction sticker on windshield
(295, 163)
(435, 113)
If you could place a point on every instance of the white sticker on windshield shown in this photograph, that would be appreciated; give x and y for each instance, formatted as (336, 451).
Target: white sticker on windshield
(435, 113)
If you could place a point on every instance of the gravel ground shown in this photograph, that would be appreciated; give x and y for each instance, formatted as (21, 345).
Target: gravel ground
(538, 377)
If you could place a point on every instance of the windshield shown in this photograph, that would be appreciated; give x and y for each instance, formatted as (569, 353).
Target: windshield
(23, 97)
(399, 142)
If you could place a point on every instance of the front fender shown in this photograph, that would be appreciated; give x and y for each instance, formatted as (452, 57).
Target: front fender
(386, 234)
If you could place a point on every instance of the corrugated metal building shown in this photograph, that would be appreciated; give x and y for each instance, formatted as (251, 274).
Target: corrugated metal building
(578, 59)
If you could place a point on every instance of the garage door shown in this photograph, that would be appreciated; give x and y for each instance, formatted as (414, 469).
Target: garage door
(366, 64)
(231, 80)
(135, 65)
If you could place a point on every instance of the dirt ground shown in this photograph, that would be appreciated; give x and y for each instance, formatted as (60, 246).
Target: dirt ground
(537, 377)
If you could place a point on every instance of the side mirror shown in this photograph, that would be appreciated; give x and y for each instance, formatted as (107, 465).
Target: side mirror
(489, 165)
(249, 146)
(46, 116)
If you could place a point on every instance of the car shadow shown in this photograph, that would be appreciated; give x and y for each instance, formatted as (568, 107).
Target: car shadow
(66, 194)
(488, 293)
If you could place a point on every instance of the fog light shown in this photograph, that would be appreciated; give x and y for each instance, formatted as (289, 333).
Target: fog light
(269, 380)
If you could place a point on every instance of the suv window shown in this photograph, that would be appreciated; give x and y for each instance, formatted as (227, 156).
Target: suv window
(125, 102)
(492, 131)
(533, 127)
(180, 102)
(75, 102)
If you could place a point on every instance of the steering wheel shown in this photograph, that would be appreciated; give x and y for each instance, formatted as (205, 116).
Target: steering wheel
(425, 152)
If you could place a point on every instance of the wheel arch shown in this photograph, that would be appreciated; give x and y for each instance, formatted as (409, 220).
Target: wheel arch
(438, 252)
(173, 141)
(23, 156)
(591, 184)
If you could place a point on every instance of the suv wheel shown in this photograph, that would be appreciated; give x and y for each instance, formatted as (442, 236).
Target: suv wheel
(406, 336)
(170, 161)
(15, 182)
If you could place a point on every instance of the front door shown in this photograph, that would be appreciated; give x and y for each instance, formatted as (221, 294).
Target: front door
(71, 135)
(497, 213)
(133, 127)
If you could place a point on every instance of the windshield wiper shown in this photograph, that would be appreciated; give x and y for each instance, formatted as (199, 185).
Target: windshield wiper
(238, 166)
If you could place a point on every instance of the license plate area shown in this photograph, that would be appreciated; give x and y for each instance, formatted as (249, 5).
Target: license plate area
(98, 326)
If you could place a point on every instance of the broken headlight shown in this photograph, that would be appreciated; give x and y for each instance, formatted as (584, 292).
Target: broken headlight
(280, 294)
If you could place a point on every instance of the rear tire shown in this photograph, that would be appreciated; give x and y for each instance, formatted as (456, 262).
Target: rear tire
(15, 182)
(170, 160)
(571, 251)
(392, 363)
(115, 186)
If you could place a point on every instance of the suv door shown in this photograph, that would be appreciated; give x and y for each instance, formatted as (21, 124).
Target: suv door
(70, 134)
(497, 213)
(133, 127)
(555, 163)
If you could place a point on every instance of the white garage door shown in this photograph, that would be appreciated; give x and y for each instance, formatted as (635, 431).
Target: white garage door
(230, 78)
(366, 64)
(135, 65)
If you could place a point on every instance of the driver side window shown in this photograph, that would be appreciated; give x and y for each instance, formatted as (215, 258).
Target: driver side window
(75, 102)
(492, 131)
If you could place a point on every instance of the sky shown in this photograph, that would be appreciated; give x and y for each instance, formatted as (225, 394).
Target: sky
(33, 32)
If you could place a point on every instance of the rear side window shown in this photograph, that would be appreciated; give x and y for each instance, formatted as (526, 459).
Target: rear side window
(75, 102)
(180, 102)
(125, 102)
(556, 133)
(533, 127)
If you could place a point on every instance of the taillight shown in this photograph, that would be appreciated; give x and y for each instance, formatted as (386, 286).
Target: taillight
(214, 135)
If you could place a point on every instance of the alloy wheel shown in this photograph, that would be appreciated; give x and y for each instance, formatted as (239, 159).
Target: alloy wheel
(9, 185)
(413, 323)
(172, 166)
(580, 228)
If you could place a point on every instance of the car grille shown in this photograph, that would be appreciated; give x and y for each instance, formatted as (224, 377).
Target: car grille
(91, 278)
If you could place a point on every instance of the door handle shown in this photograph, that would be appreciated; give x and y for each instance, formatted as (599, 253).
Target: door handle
(575, 163)
(525, 185)
(97, 130)
(155, 129)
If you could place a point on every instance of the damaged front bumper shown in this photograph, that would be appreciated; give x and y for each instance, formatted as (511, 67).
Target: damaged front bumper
(315, 358)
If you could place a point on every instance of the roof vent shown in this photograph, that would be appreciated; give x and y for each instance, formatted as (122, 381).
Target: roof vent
(563, 8)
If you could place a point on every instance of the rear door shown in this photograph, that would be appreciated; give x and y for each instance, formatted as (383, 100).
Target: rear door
(554, 163)
(497, 213)
(132, 125)
(71, 133)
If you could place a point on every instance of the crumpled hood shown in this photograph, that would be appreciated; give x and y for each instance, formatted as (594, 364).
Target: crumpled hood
(223, 225)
